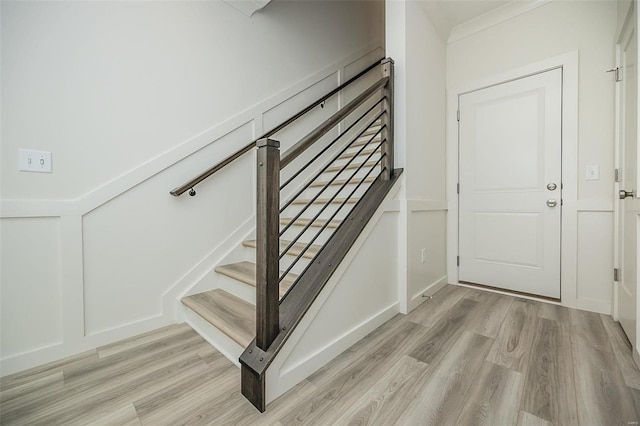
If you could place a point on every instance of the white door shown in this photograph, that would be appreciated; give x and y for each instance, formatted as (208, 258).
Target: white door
(630, 206)
(510, 185)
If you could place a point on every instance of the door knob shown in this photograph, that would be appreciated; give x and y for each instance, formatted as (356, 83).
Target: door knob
(624, 194)
(551, 186)
(552, 203)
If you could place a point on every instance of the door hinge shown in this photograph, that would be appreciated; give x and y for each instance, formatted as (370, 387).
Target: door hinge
(616, 274)
(458, 260)
(458, 115)
(458, 187)
(618, 175)
(617, 73)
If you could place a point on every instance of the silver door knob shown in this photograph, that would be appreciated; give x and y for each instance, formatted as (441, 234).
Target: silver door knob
(552, 203)
(624, 194)
(551, 186)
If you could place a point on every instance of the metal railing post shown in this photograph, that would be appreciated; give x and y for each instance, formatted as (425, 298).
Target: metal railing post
(267, 242)
(387, 121)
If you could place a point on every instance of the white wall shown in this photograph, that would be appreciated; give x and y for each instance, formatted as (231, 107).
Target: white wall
(336, 320)
(419, 51)
(553, 29)
(130, 98)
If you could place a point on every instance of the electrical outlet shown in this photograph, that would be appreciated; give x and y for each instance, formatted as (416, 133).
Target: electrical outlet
(31, 160)
(423, 255)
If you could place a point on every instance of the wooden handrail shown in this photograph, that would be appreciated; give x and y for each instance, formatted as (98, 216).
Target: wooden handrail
(210, 171)
(304, 143)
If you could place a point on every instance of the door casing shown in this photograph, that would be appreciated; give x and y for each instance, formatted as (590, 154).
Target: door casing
(569, 237)
(630, 24)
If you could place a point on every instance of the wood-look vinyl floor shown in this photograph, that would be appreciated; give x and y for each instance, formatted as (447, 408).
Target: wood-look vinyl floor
(465, 357)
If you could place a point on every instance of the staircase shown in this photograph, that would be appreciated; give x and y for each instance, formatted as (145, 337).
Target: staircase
(307, 221)
(232, 311)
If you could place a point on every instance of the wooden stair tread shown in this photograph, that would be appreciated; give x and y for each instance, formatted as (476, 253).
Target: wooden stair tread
(246, 272)
(343, 181)
(305, 201)
(352, 154)
(351, 166)
(316, 223)
(230, 314)
(295, 250)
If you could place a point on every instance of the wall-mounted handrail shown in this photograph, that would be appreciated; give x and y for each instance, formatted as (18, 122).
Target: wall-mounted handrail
(179, 190)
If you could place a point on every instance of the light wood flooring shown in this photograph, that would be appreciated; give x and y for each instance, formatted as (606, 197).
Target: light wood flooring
(465, 357)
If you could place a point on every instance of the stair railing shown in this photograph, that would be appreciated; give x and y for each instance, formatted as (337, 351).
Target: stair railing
(269, 164)
(376, 123)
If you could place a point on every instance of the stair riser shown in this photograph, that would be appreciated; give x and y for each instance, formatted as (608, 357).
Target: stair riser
(285, 262)
(347, 173)
(365, 141)
(298, 268)
(314, 209)
(343, 192)
(308, 234)
(359, 156)
(359, 159)
(238, 288)
(224, 344)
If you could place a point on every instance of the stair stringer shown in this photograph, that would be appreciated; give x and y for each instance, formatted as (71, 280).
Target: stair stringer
(338, 318)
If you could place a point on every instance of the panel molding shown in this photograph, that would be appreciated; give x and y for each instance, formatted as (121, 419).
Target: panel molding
(71, 213)
(422, 205)
(595, 206)
(139, 174)
(285, 372)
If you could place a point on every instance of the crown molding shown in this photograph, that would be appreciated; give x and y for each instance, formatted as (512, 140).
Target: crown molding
(494, 17)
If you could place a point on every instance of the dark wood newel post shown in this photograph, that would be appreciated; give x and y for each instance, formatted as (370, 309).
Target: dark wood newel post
(387, 121)
(267, 242)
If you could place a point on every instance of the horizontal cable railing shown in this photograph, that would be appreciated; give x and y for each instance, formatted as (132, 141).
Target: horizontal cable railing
(355, 144)
(329, 145)
(328, 221)
(366, 154)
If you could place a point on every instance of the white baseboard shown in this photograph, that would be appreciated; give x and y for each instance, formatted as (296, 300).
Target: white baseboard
(428, 290)
(40, 356)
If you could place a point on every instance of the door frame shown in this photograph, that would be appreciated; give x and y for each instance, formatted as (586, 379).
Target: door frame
(569, 220)
(617, 261)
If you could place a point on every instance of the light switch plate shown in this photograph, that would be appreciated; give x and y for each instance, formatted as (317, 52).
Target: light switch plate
(31, 160)
(593, 172)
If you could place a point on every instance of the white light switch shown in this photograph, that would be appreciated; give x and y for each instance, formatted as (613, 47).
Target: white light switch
(30, 160)
(593, 172)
